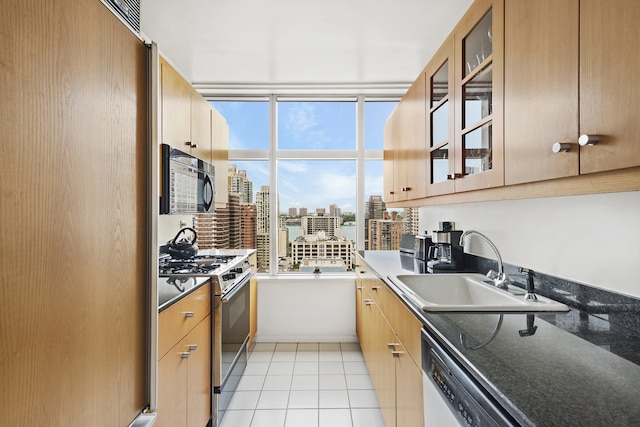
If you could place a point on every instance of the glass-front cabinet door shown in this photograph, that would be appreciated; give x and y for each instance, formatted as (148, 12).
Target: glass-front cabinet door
(479, 49)
(440, 124)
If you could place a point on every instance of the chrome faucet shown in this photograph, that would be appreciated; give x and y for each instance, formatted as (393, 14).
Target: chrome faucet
(500, 279)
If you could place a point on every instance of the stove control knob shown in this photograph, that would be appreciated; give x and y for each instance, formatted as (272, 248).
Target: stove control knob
(237, 270)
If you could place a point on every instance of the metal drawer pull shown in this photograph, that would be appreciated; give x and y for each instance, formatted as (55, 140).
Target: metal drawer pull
(588, 140)
(375, 288)
(189, 314)
(185, 354)
(392, 345)
(368, 301)
(397, 353)
(561, 147)
(193, 347)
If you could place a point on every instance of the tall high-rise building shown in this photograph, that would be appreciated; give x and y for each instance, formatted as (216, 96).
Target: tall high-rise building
(262, 228)
(293, 211)
(335, 210)
(235, 221)
(385, 234)
(249, 217)
(302, 211)
(412, 216)
(374, 208)
(262, 206)
(239, 183)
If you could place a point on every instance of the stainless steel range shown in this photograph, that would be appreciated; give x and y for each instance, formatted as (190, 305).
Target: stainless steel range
(230, 272)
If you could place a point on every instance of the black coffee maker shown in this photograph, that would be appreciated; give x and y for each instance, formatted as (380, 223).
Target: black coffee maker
(445, 254)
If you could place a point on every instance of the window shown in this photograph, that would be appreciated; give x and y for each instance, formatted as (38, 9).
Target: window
(311, 182)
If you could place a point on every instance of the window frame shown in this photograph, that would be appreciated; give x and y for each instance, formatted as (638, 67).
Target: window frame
(273, 155)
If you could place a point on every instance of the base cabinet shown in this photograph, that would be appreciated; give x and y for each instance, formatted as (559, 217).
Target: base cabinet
(184, 371)
(394, 370)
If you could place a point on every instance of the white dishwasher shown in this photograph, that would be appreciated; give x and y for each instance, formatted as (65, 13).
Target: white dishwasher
(451, 396)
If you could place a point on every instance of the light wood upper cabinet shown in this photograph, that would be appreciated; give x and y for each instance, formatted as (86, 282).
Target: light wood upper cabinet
(478, 97)
(609, 100)
(405, 146)
(201, 136)
(389, 157)
(440, 122)
(175, 107)
(568, 72)
(541, 89)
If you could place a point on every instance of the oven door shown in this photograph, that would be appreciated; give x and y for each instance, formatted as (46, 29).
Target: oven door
(231, 334)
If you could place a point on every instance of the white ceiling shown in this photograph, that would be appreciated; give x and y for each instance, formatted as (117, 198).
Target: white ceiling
(262, 43)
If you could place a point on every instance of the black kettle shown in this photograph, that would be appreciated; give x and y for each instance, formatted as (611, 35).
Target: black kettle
(183, 246)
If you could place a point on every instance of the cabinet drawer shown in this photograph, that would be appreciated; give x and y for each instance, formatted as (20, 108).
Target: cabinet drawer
(402, 321)
(176, 321)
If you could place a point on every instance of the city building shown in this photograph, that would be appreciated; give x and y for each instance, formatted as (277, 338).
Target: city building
(385, 234)
(302, 211)
(240, 184)
(293, 211)
(320, 246)
(249, 220)
(312, 224)
(322, 265)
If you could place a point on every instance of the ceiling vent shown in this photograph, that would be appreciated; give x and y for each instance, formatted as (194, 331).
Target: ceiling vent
(128, 11)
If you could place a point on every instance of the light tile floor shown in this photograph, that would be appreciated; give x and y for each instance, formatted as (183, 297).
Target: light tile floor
(304, 385)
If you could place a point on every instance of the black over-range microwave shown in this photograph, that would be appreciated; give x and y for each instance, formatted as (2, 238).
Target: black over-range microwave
(187, 183)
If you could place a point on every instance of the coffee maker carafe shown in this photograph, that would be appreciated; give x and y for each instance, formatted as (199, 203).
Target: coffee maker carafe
(445, 254)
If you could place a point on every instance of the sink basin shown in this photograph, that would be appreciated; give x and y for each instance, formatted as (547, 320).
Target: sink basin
(467, 293)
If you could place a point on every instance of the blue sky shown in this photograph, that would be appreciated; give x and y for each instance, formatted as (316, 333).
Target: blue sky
(308, 125)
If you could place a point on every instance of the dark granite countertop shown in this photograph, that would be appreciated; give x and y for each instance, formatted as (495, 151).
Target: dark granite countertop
(577, 369)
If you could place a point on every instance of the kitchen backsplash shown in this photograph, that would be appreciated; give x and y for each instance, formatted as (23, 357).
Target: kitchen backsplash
(169, 225)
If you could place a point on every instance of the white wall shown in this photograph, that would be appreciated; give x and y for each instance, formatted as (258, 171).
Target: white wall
(305, 308)
(169, 225)
(592, 239)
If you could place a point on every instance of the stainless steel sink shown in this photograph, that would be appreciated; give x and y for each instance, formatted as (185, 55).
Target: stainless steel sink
(467, 293)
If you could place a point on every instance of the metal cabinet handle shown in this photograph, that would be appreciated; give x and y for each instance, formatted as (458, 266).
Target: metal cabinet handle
(397, 353)
(392, 345)
(368, 301)
(185, 354)
(375, 288)
(193, 347)
(189, 314)
(588, 140)
(561, 147)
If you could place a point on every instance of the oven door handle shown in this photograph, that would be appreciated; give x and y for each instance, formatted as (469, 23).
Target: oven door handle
(227, 296)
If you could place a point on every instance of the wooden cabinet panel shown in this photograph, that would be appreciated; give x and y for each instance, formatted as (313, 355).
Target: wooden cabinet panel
(440, 133)
(609, 101)
(73, 251)
(541, 89)
(479, 154)
(389, 336)
(175, 107)
(403, 322)
(172, 389)
(184, 380)
(198, 343)
(177, 320)
(389, 158)
(409, 394)
(412, 128)
(253, 310)
(200, 127)
(380, 362)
